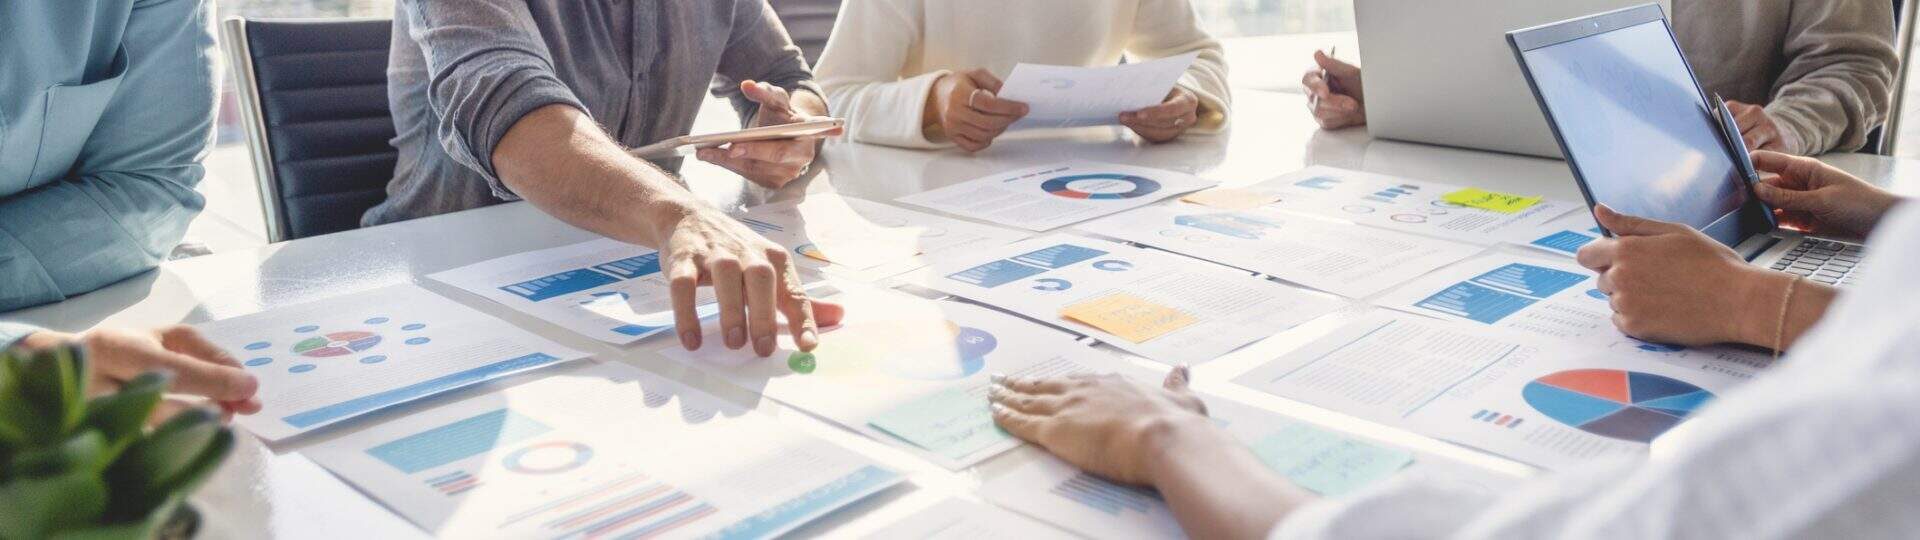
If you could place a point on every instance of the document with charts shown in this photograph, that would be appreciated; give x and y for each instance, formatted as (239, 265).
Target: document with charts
(1053, 196)
(532, 462)
(1512, 394)
(604, 289)
(961, 519)
(907, 371)
(1335, 257)
(1162, 306)
(1078, 96)
(1553, 299)
(1402, 204)
(324, 362)
(1564, 236)
(865, 239)
(1315, 459)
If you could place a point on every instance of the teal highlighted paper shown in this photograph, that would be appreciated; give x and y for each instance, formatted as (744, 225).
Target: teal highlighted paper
(1328, 463)
(954, 423)
(456, 441)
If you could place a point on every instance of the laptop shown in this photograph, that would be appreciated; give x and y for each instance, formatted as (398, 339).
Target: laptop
(1643, 138)
(1438, 71)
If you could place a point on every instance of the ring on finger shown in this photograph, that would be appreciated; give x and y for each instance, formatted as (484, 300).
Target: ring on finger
(970, 95)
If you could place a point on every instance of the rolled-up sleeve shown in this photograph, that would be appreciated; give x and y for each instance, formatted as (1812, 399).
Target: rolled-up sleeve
(1837, 84)
(129, 197)
(759, 49)
(12, 333)
(487, 68)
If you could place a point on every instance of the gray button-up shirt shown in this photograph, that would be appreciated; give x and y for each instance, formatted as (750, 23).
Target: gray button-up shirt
(464, 71)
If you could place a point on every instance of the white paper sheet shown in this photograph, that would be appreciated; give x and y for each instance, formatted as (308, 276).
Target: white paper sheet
(1049, 197)
(1564, 236)
(604, 289)
(865, 239)
(902, 363)
(1403, 204)
(531, 461)
(1223, 309)
(1074, 96)
(328, 361)
(1552, 299)
(960, 519)
(1335, 257)
(1477, 386)
(1053, 491)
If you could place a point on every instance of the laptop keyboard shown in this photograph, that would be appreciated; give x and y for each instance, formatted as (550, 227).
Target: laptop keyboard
(1823, 261)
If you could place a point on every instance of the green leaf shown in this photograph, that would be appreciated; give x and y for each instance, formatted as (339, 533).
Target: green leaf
(37, 507)
(174, 458)
(122, 416)
(86, 453)
(51, 390)
(17, 417)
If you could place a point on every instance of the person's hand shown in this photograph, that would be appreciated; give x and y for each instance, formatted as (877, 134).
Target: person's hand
(1166, 121)
(1669, 283)
(1756, 127)
(1104, 424)
(198, 366)
(964, 106)
(1334, 93)
(753, 280)
(772, 164)
(1817, 198)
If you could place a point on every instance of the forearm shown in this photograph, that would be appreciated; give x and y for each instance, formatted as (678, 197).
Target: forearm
(1779, 319)
(560, 161)
(1218, 489)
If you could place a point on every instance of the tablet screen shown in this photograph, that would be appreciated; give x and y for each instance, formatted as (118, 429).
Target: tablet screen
(1636, 126)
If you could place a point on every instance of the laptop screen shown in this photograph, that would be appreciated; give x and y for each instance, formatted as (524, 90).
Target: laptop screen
(1636, 126)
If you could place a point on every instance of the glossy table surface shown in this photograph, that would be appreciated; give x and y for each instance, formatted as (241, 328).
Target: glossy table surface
(273, 491)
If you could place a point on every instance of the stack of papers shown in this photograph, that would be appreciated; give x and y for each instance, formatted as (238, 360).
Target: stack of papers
(604, 289)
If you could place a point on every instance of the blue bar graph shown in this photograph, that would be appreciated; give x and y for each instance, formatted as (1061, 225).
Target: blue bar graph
(996, 273)
(1529, 280)
(761, 227)
(561, 284)
(633, 267)
(456, 441)
(1060, 256)
(1564, 241)
(1476, 303)
(415, 391)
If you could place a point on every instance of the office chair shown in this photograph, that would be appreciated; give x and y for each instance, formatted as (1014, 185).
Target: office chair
(809, 22)
(313, 96)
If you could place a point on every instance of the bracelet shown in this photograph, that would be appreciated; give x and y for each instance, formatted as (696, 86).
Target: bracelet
(1780, 327)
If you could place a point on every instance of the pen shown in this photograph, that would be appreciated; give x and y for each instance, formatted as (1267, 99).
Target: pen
(1333, 53)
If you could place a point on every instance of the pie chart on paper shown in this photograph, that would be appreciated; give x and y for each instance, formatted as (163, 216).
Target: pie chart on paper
(336, 344)
(1618, 404)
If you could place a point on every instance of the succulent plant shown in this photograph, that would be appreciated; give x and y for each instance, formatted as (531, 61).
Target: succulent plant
(74, 467)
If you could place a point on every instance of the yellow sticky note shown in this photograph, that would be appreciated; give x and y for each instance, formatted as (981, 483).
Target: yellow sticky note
(1505, 203)
(1131, 317)
(1231, 198)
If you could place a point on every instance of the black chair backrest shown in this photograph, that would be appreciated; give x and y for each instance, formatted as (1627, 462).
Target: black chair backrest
(323, 100)
(809, 22)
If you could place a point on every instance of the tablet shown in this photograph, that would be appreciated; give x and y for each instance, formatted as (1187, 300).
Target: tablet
(681, 146)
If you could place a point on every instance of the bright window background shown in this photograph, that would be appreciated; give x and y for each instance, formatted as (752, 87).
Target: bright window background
(1269, 44)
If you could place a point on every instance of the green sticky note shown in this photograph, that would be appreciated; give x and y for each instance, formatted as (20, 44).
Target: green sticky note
(1325, 462)
(954, 423)
(1505, 203)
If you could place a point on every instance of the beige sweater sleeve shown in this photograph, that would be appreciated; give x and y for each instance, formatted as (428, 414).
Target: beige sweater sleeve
(1836, 85)
(860, 71)
(1164, 28)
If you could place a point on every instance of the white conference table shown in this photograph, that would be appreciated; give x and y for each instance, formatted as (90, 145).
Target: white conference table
(266, 491)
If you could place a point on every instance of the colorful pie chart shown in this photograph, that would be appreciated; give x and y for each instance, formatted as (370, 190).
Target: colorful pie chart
(1100, 186)
(336, 344)
(1625, 405)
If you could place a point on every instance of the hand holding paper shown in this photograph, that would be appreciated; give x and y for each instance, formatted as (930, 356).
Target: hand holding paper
(1070, 96)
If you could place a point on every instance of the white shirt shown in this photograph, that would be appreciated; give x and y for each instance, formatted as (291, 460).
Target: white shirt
(884, 56)
(1826, 445)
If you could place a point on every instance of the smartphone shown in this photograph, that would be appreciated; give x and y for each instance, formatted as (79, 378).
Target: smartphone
(686, 145)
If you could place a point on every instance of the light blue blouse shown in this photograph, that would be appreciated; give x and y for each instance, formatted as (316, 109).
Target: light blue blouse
(106, 109)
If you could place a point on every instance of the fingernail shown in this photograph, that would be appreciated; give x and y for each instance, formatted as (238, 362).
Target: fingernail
(736, 337)
(690, 339)
(996, 392)
(998, 378)
(997, 408)
(763, 343)
(809, 337)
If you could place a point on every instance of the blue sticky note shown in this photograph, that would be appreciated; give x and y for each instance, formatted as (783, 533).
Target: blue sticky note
(954, 423)
(1325, 462)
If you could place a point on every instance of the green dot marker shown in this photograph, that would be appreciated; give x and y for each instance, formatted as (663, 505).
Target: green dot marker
(801, 362)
